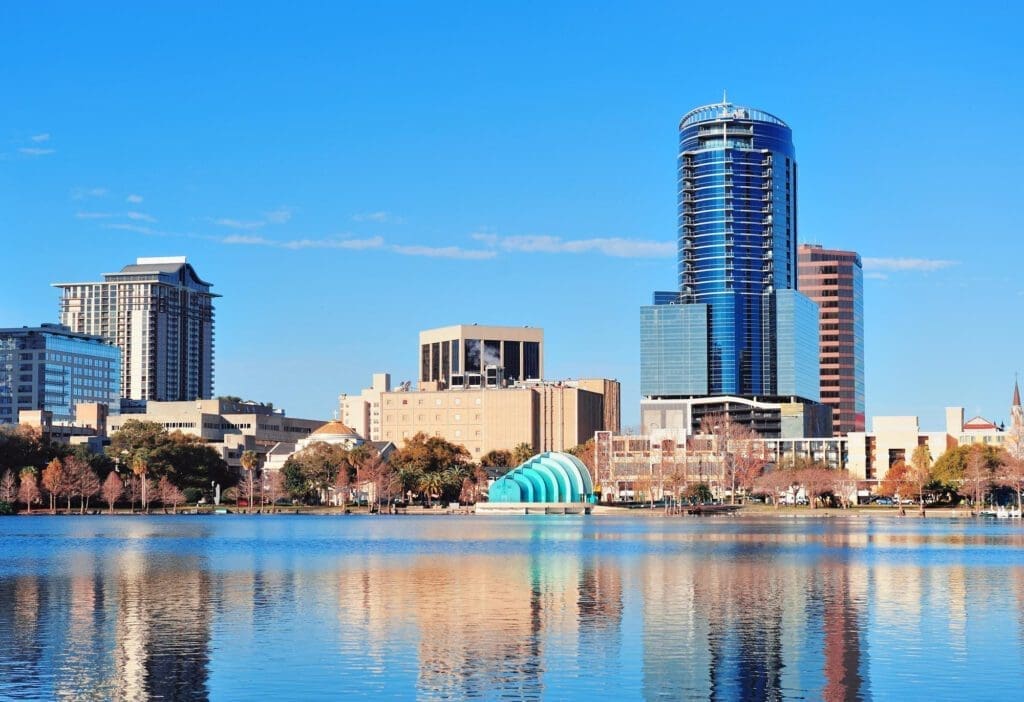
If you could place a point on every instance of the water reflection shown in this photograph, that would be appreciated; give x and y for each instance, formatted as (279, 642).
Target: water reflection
(440, 608)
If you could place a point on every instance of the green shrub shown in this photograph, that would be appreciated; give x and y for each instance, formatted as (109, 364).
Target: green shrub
(193, 495)
(6, 508)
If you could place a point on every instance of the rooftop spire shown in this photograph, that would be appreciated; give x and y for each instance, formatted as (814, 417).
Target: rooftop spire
(1016, 392)
(725, 96)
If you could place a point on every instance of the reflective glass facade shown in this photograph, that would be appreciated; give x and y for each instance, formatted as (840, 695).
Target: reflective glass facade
(50, 368)
(796, 329)
(674, 350)
(737, 183)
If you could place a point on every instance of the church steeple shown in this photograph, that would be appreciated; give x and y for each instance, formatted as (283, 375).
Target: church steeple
(1016, 410)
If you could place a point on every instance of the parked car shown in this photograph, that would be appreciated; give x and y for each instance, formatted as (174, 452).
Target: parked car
(884, 501)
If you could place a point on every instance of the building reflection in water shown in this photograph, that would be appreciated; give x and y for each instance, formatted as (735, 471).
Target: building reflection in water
(659, 608)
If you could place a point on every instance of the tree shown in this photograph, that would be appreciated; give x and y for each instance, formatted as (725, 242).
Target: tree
(140, 466)
(55, 482)
(342, 485)
(170, 494)
(896, 482)
(817, 481)
(738, 450)
(274, 482)
(498, 458)
(521, 453)
(28, 493)
(844, 484)
(309, 473)
(8, 487)
(186, 460)
(920, 472)
(979, 472)
(431, 484)
(82, 481)
(113, 488)
(779, 480)
(249, 462)
(585, 452)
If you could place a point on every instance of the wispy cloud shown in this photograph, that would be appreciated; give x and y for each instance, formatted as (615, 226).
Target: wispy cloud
(40, 138)
(295, 244)
(281, 215)
(95, 215)
(36, 151)
(133, 199)
(611, 246)
(443, 252)
(380, 217)
(82, 193)
(140, 216)
(134, 216)
(137, 228)
(900, 265)
(238, 224)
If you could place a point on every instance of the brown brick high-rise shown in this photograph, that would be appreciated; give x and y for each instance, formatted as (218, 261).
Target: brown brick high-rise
(834, 279)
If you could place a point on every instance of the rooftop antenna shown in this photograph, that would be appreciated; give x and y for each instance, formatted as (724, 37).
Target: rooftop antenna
(725, 96)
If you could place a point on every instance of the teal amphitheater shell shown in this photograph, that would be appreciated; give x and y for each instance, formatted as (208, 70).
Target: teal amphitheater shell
(547, 477)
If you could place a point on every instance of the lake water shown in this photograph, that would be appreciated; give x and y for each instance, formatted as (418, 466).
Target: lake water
(292, 607)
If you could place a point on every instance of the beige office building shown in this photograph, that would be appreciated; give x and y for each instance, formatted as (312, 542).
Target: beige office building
(473, 355)
(230, 427)
(547, 416)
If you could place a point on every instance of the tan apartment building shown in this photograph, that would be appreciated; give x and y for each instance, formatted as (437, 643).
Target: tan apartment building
(547, 416)
(229, 426)
(362, 411)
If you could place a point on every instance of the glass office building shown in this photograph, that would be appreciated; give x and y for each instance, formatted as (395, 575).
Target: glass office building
(52, 368)
(737, 259)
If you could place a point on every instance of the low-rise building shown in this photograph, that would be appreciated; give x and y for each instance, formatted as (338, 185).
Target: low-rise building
(547, 416)
(230, 426)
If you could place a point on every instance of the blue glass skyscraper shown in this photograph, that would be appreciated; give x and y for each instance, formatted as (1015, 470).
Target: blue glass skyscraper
(737, 325)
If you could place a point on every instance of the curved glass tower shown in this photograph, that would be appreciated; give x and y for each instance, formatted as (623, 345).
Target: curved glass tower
(737, 326)
(737, 234)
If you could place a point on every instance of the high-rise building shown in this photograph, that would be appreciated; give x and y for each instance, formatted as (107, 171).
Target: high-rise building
(52, 369)
(835, 281)
(160, 314)
(736, 327)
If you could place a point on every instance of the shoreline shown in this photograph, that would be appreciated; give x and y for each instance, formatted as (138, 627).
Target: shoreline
(599, 510)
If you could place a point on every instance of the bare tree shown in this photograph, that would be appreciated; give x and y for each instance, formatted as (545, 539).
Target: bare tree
(978, 473)
(170, 494)
(844, 485)
(133, 488)
(28, 493)
(8, 486)
(113, 488)
(87, 485)
(55, 482)
(274, 482)
(738, 450)
(817, 480)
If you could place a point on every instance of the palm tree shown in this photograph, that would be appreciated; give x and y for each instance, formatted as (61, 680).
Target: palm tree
(522, 453)
(140, 466)
(249, 461)
(431, 483)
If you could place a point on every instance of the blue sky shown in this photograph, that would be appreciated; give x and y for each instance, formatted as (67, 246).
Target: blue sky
(348, 174)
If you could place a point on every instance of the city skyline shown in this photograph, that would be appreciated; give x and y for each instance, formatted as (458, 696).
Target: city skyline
(320, 198)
